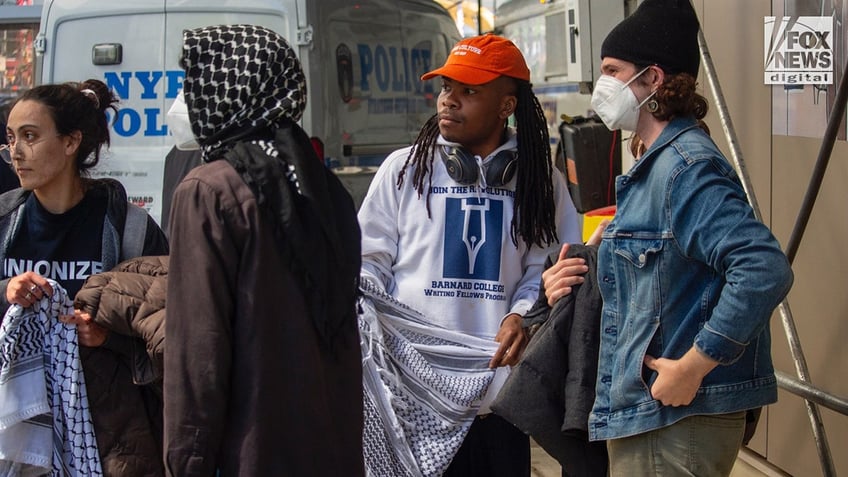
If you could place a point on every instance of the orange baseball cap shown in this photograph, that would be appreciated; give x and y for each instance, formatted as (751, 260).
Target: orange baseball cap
(481, 59)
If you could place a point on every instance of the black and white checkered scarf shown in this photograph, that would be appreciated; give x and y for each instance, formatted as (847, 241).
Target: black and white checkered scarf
(239, 79)
(45, 423)
(245, 90)
(423, 386)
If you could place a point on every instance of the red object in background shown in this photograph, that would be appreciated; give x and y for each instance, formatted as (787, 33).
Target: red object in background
(605, 211)
(318, 145)
(593, 218)
(24, 2)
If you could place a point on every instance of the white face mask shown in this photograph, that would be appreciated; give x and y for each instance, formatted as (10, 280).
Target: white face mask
(616, 104)
(180, 126)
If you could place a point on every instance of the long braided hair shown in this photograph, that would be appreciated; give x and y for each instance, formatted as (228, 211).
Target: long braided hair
(534, 209)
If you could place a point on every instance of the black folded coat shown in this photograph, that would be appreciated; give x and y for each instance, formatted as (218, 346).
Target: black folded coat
(550, 393)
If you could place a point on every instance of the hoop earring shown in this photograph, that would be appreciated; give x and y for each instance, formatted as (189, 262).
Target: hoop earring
(652, 106)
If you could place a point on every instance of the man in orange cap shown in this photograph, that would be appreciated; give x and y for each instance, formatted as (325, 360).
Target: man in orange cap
(458, 225)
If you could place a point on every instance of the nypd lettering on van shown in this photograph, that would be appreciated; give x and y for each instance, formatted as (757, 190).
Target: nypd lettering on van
(142, 85)
(384, 71)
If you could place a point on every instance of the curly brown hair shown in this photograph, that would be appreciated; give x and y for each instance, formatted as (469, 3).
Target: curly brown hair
(676, 97)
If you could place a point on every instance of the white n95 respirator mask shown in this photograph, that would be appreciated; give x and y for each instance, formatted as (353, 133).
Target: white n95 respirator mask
(616, 104)
(180, 125)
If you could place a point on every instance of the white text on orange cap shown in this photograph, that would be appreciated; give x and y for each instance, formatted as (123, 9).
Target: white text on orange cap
(463, 49)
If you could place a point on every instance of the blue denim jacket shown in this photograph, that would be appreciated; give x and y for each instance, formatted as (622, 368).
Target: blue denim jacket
(684, 262)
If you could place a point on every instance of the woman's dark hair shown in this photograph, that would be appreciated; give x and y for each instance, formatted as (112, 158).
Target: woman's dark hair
(534, 209)
(79, 107)
(677, 96)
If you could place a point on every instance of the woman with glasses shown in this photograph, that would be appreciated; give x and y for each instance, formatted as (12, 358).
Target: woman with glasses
(62, 225)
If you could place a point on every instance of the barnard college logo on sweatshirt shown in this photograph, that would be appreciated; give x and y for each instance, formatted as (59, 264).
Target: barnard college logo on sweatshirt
(473, 235)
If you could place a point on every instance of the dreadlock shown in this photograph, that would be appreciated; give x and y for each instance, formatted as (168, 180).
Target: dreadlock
(534, 208)
(422, 159)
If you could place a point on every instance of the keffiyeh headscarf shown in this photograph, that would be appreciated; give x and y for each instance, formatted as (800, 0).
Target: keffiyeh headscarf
(239, 78)
(245, 90)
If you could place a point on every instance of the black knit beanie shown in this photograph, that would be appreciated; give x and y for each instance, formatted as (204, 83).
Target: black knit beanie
(660, 32)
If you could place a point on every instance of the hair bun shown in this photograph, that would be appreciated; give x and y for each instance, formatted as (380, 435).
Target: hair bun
(91, 94)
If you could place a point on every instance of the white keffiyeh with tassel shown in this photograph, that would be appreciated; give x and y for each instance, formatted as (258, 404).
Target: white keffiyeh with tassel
(45, 424)
(423, 387)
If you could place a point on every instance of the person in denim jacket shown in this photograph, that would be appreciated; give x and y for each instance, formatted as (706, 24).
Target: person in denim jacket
(688, 275)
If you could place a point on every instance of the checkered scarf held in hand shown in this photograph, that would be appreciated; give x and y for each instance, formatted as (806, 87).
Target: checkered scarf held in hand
(45, 422)
(423, 386)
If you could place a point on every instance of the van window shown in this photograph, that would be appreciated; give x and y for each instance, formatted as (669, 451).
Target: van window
(17, 60)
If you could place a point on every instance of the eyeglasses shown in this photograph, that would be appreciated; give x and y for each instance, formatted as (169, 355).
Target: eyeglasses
(6, 149)
(6, 153)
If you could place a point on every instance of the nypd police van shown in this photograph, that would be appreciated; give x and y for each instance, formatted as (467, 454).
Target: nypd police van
(362, 59)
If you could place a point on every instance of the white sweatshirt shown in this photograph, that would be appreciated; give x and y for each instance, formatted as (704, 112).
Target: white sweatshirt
(460, 268)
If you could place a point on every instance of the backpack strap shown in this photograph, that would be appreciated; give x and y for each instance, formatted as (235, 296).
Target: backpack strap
(135, 229)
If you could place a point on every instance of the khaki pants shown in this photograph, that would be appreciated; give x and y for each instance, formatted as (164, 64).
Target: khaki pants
(703, 446)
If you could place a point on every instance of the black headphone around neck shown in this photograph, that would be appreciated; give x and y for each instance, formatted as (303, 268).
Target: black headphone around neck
(462, 166)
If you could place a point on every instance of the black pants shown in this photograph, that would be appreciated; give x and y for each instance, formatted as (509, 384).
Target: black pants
(492, 448)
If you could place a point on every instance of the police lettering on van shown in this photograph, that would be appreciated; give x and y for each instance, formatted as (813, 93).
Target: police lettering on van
(392, 69)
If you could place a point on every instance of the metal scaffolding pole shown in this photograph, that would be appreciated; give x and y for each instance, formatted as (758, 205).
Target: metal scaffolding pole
(800, 361)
